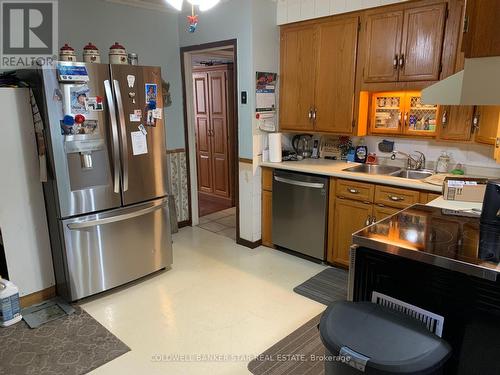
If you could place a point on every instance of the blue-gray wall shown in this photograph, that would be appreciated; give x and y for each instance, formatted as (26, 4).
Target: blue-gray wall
(230, 20)
(151, 34)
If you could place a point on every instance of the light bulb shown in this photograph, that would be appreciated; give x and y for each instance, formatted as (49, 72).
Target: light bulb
(207, 4)
(177, 4)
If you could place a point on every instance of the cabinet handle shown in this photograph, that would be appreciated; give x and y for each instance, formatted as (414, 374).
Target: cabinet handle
(402, 60)
(395, 198)
(314, 114)
(444, 119)
(475, 120)
(353, 191)
(374, 220)
(310, 115)
(395, 61)
(406, 119)
(497, 144)
(368, 220)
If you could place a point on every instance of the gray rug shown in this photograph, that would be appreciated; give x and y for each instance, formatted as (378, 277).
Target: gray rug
(303, 350)
(328, 286)
(75, 344)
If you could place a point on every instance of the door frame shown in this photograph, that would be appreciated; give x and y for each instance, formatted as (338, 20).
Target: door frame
(189, 135)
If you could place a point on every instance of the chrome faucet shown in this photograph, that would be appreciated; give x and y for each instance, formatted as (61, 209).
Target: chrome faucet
(412, 162)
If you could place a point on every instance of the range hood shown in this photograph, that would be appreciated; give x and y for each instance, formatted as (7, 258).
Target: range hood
(477, 84)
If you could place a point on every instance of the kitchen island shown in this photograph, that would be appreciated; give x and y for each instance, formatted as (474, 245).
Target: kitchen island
(445, 262)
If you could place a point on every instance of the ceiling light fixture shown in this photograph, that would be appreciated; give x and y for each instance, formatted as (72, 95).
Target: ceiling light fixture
(203, 5)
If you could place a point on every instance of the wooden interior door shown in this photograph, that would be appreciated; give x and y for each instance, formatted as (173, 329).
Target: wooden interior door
(350, 216)
(336, 75)
(298, 64)
(218, 133)
(422, 43)
(202, 129)
(488, 124)
(383, 43)
(455, 122)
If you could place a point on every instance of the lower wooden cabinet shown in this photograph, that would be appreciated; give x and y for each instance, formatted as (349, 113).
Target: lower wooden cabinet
(381, 212)
(267, 218)
(350, 216)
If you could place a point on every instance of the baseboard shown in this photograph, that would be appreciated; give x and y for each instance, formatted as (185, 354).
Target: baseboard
(185, 223)
(249, 244)
(38, 297)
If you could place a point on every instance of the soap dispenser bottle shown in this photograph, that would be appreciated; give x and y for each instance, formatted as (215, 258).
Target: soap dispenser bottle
(361, 152)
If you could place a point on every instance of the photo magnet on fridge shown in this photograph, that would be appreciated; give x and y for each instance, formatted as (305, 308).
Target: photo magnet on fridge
(79, 95)
(94, 104)
(150, 119)
(151, 92)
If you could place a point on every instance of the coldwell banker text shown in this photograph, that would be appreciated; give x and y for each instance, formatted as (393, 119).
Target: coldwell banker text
(29, 33)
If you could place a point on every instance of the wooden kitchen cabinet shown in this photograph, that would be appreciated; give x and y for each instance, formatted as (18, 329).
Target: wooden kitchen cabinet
(481, 29)
(267, 207)
(487, 120)
(297, 81)
(395, 197)
(456, 123)
(405, 45)
(350, 216)
(335, 75)
(402, 113)
(318, 75)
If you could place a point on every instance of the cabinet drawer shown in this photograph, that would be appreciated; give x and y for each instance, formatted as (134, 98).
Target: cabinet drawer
(394, 197)
(267, 179)
(355, 190)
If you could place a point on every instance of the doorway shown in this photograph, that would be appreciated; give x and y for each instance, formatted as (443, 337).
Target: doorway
(209, 76)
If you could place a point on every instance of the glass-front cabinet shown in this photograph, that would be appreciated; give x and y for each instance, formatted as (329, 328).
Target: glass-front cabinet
(402, 113)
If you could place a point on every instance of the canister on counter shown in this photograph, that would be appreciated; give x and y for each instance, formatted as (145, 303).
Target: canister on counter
(91, 54)
(67, 53)
(117, 54)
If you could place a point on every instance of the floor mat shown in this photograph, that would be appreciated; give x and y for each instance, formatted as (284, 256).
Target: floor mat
(328, 286)
(297, 354)
(75, 344)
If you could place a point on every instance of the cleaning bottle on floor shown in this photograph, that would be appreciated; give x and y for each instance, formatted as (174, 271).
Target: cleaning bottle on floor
(10, 309)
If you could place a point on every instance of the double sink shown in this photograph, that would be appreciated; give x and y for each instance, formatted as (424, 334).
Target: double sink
(388, 170)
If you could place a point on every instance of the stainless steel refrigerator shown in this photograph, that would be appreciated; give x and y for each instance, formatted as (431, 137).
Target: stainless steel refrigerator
(106, 193)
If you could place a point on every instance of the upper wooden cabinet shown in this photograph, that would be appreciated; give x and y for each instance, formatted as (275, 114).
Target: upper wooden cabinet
(404, 45)
(456, 123)
(298, 69)
(487, 122)
(481, 28)
(318, 75)
(402, 113)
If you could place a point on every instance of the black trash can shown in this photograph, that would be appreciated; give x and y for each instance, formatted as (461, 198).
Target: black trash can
(377, 340)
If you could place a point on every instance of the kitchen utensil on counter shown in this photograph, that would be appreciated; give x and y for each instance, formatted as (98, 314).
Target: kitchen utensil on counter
(275, 147)
(302, 144)
(67, 53)
(372, 158)
(91, 53)
(118, 54)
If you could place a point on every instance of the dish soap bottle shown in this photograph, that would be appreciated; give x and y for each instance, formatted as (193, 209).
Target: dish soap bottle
(361, 152)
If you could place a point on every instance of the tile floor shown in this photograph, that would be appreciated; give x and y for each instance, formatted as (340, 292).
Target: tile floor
(219, 298)
(221, 222)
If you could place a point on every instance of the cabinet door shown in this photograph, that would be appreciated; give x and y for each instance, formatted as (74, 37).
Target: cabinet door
(422, 43)
(350, 216)
(482, 35)
(267, 217)
(202, 129)
(298, 64)
(336, 75)
(382, 212)
(219, 133)
(387, 112)
(488, 124)
(419, 119)
(383, 43)
(456, 122)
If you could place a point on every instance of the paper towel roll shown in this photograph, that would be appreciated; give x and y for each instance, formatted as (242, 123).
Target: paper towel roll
(275, 147)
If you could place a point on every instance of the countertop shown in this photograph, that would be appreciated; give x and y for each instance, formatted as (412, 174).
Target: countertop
(335, 168)
(454, 240)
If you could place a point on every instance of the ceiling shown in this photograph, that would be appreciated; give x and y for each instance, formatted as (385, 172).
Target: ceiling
(158, 5)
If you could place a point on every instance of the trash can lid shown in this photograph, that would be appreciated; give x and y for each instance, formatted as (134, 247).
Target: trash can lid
(394, 343)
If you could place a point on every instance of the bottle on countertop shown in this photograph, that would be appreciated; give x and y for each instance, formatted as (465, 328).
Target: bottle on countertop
(443, 162)
(361, 153)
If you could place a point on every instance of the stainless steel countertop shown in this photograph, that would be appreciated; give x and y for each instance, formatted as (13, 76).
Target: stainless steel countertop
(448, 239)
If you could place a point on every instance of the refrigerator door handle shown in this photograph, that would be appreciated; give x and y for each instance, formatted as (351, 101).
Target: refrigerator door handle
(114, 137)
(111, 219)
(123, 128)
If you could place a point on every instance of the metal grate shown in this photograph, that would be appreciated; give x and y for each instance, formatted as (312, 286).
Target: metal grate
(433, 322)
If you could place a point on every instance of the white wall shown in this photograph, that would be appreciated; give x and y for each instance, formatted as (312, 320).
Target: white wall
(22, 210)
(151, 34)
(300, 10)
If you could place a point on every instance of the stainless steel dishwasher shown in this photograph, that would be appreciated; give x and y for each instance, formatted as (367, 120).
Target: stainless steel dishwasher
(300, 203)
